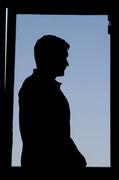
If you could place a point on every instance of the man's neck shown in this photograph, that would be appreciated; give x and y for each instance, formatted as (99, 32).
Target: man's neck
(46, 75)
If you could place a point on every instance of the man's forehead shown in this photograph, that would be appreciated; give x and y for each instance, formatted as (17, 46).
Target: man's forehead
(64, 51)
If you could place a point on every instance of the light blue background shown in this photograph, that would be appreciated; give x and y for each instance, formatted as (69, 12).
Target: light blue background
(86, 83)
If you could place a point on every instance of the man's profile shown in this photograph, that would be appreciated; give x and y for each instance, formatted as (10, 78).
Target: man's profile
(44, 113)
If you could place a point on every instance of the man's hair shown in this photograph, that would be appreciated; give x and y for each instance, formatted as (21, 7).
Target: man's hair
(48, 47)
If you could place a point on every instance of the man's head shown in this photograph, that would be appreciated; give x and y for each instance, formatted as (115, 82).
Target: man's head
(51, 54)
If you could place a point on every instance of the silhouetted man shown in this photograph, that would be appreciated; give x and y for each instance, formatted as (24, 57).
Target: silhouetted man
(44, 111)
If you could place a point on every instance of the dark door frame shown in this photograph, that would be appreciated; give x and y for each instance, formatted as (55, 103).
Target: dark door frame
(65, 7)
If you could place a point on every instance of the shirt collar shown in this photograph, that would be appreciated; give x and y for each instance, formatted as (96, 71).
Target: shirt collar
(36, 72)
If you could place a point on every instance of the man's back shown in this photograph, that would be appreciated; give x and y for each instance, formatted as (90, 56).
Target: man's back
(44, 117)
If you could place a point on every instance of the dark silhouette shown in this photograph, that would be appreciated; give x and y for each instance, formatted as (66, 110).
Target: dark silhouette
(44, 111)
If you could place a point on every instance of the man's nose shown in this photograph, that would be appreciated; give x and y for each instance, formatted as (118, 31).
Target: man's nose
(67, 64)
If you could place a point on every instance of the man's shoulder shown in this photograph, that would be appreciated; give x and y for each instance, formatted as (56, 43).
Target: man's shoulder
(28, 81)
(27, 84)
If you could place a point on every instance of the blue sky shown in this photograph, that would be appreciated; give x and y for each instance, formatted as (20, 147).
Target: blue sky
(86, 83)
